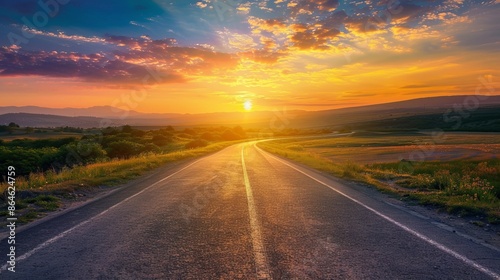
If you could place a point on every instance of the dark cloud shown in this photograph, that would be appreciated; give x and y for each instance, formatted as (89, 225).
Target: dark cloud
(401, 13)
(93, 67)
(316, 35)
(325, 5)
(179, 59)
(311, 6)
(138, 58)
(410, 12)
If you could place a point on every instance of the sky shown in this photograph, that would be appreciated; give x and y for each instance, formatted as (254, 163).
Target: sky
(160, 56)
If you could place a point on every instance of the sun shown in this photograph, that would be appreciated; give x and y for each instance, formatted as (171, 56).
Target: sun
(248, 105)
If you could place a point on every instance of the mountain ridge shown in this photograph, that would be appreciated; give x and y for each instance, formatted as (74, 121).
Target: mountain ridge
(96, 116)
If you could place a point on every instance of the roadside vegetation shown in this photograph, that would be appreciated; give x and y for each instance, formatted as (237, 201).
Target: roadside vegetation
(466, 186)
(55, 170)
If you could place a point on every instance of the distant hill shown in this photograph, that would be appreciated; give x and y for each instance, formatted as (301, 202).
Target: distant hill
(485, 119)
(403, 114)
(96, 111)
(39, 120)
(401, 109)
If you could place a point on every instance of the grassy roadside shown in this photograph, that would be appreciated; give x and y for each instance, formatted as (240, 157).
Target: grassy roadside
(45, 192)
(460, 187)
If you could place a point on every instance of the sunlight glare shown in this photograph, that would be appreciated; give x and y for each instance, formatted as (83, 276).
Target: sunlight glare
(247, 105)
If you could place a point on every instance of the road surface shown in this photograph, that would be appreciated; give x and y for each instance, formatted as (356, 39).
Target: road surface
(242, 213)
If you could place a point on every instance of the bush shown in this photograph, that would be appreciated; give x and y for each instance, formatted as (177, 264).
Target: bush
(138, 133)
(124, 149)
(151, 148)
(207, 136)
(40, 143)
(190, 131)
(444, 180)
(161, 140)
(230, 135)
(196, 144)
(127, 129)
(84, 151)
(239, 131)
(27, 160)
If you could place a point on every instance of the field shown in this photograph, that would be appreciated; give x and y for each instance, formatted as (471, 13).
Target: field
(54, 167)
(373, 147)
(455, 171)
(41, 134)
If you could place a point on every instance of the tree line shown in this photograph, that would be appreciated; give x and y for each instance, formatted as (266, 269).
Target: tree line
(39, 155)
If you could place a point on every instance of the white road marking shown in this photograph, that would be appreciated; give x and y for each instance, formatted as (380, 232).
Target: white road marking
(400, 225)
(66, 232)
(259, 251)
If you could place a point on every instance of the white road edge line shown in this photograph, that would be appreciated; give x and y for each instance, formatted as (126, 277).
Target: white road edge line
(259, 251)
(66, 232)
(400, 225)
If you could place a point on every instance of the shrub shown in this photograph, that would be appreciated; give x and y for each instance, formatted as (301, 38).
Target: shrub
(444, 180)
(82, 152)
(207, 136)
(196, 144)
(230, 135)
(151, 148)
(190, 131)
(124, 149)
(27, 160)
(161, 140)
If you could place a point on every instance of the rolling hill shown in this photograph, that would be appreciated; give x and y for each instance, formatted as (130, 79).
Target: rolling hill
(419, 113)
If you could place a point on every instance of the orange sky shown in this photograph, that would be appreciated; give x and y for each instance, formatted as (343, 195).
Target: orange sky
(316, 59)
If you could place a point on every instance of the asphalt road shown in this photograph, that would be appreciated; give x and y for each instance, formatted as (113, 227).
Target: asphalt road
(242, 213)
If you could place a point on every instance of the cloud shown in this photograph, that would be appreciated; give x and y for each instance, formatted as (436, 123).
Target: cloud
(311, 6)
(264, 55)
(201, 4)
(263, 6)
(416, 86)
(62, 35)
(244, 8)
(313, 36)
(271, 44)
(92, 67)
(408, 12)
(139, 58)
(276, 26)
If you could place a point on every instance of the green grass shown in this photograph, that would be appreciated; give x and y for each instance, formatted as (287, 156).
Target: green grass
(48, 134)
(106, 173)
(45, 202)
(298, 153)
(43, 192)
(28, 216)
(463, 187)
(384, 139)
